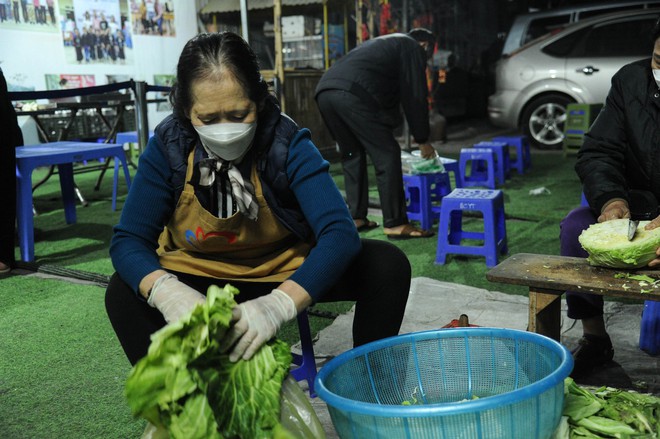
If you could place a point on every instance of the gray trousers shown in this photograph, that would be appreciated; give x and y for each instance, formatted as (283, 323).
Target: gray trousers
(359, 131)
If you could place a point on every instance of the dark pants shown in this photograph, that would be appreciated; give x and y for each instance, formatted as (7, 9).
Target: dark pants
(580, 305)
(10, 137)
(378, 280)
(359, 131)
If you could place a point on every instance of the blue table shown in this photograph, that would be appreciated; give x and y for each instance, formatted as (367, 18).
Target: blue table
(62, 154)
(130, 137)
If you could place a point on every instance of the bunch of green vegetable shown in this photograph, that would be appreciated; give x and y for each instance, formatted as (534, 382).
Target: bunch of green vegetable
(185, 386)
(607, 412)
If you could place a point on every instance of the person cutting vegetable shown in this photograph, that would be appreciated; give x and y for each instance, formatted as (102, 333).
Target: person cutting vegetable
(230, 190)
(618, 167)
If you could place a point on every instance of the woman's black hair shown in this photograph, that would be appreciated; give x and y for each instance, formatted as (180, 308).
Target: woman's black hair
(206, 55)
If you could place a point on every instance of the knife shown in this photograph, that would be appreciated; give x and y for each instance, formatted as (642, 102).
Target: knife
(632, 228)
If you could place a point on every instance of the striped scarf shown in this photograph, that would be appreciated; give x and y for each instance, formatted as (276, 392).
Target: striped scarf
(241, 195)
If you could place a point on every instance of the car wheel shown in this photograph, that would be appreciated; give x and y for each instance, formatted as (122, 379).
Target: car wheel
(543, 121)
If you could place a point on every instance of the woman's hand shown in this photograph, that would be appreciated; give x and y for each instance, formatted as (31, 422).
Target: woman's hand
(173, 298)
(616, 209)
(650, 226)
(255, 322)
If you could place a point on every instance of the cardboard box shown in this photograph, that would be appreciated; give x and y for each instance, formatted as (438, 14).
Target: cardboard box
(296, 26)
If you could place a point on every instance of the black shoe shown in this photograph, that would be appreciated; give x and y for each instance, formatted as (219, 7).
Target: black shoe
(592, 352)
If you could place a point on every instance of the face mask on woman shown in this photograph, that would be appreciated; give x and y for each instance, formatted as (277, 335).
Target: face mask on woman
(229, 141)
(656, 76)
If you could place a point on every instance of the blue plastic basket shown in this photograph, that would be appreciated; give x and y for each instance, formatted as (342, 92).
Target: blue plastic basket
(461, 383)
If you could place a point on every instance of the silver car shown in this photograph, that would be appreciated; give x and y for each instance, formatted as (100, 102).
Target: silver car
(535, 83)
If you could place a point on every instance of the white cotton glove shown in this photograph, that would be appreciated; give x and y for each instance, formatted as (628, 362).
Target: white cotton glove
(255, 322)
(173, 298)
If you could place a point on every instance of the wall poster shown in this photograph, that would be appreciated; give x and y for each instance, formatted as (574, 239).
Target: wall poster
(96, 32)
(152, 17)
(33, 16)
(167, 81)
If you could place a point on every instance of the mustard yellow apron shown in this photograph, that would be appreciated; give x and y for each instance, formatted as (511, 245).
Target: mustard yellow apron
(199, 243)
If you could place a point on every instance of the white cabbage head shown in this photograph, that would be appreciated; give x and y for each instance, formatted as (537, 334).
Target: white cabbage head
(608, 246)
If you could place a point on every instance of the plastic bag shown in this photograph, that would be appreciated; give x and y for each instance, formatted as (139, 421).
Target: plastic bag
(414, 164)
(297, 414)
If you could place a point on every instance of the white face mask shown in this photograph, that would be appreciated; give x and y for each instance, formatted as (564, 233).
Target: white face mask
(229, 141)
(656, 76)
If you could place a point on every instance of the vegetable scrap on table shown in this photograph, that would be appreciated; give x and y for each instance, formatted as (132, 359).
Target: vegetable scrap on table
(644, 281)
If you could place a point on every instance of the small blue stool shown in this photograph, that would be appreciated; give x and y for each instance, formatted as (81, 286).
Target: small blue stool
(523, 156)
(450, 231)
(649, 335)
(502, 159)
(451, 165)
(306, 362)
(482, 167)
(423, 195)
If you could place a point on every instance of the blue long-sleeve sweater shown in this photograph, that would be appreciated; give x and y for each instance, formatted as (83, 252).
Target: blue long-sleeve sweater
(151, 202)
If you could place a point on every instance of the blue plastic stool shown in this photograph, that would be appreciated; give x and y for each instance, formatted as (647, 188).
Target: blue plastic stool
(649, 335)
(502, 159)
(423, 195)
(523, 155)
(482, 167)
(451, 165)
(450, 232)
(306, 362)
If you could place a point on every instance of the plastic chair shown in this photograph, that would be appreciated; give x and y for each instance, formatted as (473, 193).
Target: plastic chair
(306, 362)
(502, 159)
(481, 169)
(649, 335)
(423, 195)
(450, 230)
(451, 165)
(523, 159)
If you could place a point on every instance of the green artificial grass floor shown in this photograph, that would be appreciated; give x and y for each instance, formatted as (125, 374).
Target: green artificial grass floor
(62, 370)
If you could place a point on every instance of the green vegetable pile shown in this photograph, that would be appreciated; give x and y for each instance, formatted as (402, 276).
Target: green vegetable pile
(186, 387)
(607, 412)
(608, 246)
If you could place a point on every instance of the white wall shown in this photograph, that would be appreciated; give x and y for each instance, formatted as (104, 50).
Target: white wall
(27, 56)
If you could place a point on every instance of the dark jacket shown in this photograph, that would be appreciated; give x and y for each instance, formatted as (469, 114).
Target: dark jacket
(10, 133)
(275, 132)
(386, 72)
(621, 152)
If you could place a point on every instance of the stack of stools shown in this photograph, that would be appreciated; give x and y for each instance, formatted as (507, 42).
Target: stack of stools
(523, 159)
(306, 362)
(481, 167)
(450, 230)
(502, 159)
(423, 195)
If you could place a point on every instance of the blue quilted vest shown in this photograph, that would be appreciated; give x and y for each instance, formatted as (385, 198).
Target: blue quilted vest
(270, 150)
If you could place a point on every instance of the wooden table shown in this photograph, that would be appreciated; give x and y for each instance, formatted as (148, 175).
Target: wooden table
(62, 155)
(549, 276)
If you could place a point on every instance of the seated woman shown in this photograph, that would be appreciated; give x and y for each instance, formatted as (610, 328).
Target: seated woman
(230, 190)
